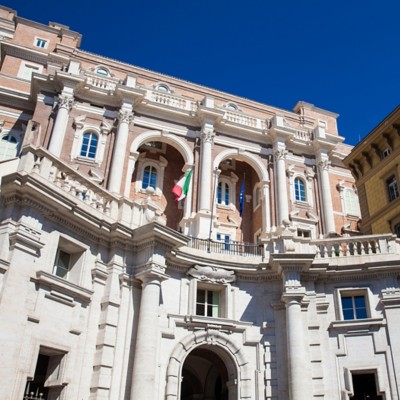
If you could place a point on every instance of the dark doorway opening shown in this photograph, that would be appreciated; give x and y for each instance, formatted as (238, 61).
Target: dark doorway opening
(204, 376)
(364, 386)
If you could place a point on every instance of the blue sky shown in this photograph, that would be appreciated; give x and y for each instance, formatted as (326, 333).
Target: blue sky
(342, 56)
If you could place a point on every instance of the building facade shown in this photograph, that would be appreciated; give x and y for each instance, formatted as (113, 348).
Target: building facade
(257, 285)
(374, 162)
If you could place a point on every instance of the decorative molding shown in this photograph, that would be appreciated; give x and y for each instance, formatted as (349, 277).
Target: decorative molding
(212, 274)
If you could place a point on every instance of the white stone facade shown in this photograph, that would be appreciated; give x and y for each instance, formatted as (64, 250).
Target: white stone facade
(109, 289)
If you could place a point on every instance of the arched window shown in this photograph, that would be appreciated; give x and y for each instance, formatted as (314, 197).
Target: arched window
(299, 190)
(223, 193)
(102, 71)
(163, 87)
(8, 147)
(89, 145)
(149, 177)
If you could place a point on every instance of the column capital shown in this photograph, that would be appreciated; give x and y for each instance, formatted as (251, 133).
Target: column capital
(323, 165)
(65, 101)
(125, 116)
(207, 134)
(151, 272)
(280, 153)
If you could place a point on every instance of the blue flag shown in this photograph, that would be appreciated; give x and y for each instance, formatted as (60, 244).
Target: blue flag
(241, 199)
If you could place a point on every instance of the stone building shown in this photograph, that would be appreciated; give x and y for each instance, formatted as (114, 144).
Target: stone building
(375, 164)
(251, 287)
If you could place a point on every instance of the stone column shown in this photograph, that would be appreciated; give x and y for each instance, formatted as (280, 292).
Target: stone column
(265, 197)
(145, 365)
(65, 102)
(118, 160)
(298, 361)
(207, 138)
(282, 198)
(325, 188)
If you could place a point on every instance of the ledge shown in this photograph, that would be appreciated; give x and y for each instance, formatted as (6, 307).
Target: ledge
(357, 325)
(62, 290)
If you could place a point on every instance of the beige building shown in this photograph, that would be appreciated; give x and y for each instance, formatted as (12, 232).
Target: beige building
(375, 164)
(252, 286)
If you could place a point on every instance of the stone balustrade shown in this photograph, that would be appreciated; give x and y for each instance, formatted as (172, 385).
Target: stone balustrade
(94, 81)
(356, 246)
(246, 120)
(171, 100)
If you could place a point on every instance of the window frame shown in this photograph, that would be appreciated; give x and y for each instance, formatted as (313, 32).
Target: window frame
(352, 209)
(396, 193)
(353, 293)
(208, 305)
(107, 73)
(3, 151)
(39, 40)
(76, 253)
(23, 68)
(298, 191)
(151, 175)
(89, 145)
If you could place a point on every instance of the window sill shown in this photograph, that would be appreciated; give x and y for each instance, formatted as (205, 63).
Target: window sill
(62, 290)
(229, 207)
(357, 324)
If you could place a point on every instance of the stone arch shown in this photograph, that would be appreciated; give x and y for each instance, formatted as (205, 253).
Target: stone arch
(155, 135)
(231, 354)
(165, 137)
(262, 172)
(253, 160)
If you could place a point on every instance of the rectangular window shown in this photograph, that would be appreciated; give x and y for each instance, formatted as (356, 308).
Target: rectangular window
(62, 264)
(364, 386)
(208, 303)
(47, 382)
(224, 238)
(40, 43)
(303, 233)
(354, 307)
(393, 189)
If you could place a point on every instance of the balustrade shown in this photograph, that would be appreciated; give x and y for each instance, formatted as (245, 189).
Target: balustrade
(354, 246)
(171, 100)
(246, 120)
(100, 82)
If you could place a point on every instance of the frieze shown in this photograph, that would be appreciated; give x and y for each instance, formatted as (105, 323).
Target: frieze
(212, 274)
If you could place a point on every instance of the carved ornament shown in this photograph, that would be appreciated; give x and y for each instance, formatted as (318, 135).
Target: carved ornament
(212, 274)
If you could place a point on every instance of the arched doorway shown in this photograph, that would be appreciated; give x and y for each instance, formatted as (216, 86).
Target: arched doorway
(204, 376)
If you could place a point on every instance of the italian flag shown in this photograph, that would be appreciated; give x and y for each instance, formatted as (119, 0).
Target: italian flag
(181, 188)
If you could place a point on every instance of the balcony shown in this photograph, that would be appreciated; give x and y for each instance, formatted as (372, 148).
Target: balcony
(170, 102)
(100, 84)
(239, 120)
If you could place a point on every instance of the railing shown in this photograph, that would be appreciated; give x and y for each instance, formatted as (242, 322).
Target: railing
(307, 136)
(171, 100)
(100, 82)
(229, 248)
(33, 396)
(355, 246)
(246, 120)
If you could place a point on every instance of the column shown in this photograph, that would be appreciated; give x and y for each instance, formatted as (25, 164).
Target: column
(266, 223)
(145, 362)
(282, 198)
(325, 187)
(65, 102)
(299, 386)
(118, 160)
(207, 138)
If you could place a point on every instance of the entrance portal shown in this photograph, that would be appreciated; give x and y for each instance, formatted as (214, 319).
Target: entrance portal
(204, 376)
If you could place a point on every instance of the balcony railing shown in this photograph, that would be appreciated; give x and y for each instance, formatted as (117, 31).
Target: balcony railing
(170, 100)
(231, 248)
(355, 246)
(239, 118)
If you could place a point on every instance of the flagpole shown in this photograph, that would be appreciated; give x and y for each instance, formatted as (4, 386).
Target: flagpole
(212, 208)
